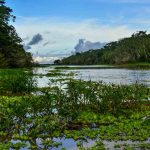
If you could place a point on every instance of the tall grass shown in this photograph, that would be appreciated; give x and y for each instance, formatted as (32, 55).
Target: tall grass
(97, 97)
(16, 81)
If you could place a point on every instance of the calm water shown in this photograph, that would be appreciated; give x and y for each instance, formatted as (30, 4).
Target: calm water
(110, 75)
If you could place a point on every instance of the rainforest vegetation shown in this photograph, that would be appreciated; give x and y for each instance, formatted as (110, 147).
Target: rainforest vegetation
(12, 53)
(91, 115)
(133, 49)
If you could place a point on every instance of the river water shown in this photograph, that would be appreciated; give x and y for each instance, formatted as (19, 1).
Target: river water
(107, 75)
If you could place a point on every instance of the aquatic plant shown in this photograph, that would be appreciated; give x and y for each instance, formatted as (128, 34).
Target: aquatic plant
(80, 96)
(77, 110)
(16, 81)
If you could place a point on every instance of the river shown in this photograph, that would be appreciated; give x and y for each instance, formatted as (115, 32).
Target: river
(103, 73)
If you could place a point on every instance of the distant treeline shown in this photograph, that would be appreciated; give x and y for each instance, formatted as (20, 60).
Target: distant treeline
(127, 50)
(12, 53)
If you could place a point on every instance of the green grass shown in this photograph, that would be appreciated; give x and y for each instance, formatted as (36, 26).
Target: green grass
(16, 81)
(140, 65)
(84, 67)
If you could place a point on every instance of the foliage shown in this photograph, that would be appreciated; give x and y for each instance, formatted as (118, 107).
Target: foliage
(27, 119)
(12, 53)
(127, 50)
(17, 81)
(72, 110)
(99, 97)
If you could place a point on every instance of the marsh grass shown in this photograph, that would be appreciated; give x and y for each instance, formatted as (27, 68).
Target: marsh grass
(59, 73)
(140, 65)
(16, 81)
(99, 97)
(74, 109)
(77, 67)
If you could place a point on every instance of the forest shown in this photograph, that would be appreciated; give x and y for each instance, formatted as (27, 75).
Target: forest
(12, 53)
(50, 107)
(127, 50)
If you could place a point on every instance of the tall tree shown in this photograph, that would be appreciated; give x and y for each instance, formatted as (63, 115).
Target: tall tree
(127, 50)
(11, 49)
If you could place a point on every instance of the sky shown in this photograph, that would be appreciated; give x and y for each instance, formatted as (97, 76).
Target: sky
(51, 29)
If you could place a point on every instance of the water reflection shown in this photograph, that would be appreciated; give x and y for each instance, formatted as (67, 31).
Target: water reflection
(116, 76)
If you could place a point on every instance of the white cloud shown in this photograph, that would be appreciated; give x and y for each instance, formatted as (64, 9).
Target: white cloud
(46, 59)
(61, 36)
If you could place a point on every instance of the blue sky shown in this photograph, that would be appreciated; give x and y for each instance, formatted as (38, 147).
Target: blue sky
(63, 22)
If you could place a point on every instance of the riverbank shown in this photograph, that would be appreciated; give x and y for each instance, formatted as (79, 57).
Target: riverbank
(141, 65)
(144, 65)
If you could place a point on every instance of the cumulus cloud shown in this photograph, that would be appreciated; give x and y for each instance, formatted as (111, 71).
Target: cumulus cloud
(36, 39)
(84, 45)
(45, 59)
(65, 34)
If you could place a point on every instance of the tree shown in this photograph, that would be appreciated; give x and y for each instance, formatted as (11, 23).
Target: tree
(56, 62)
(11, 48)
(126, 50)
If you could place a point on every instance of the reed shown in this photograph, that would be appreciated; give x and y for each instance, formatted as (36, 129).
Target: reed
(16, 81)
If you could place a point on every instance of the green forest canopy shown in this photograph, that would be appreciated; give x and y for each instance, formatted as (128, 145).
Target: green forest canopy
(12, 53)
(127, 50)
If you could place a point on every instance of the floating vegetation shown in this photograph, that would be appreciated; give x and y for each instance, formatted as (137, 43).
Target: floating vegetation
(85, 112)
(76, 67)
(60, 73)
